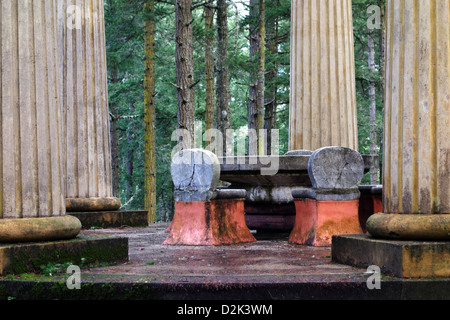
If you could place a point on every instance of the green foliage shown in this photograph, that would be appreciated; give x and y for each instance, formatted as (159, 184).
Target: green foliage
(363, 76)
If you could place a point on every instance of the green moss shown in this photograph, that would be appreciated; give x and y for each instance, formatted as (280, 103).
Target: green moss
(51, 258)
(4, 292)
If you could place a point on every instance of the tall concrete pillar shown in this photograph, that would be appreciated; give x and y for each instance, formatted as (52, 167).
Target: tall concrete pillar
(416, 187)
(87, 148)
(323, 98)
(32, 203)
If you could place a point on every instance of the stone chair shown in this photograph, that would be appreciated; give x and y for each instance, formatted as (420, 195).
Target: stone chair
(205, 215)
(331, 206)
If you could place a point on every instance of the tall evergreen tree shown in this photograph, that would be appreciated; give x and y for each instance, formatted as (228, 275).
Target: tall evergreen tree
(185, 72)
(223, 78)
(150, 111)
(209, 66)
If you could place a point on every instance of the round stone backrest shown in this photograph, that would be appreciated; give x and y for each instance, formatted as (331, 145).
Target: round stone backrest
(195, 170)
(336, 168)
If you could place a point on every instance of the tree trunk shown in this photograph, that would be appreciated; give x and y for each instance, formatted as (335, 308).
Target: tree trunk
(223, 81)
(252, 102)
(382, 48)
(130, 158)
(372, 108)
(209, 67)
(150, 112)
(382, 36)
(271, 77)
(261, 69)
(114, 131)
(185, 73)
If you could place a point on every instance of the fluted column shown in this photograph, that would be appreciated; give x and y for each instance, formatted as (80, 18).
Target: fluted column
(31, 185)
(416, 187)
(87, 146)
(323, 98)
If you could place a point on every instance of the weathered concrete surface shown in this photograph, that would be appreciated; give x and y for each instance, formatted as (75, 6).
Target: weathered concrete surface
(292, 170)
(407, 259)
(84, 84)
(112, 219)
(195, 174)
(336, 168)
(410, 226)
(204, 215)
(209, 223)
(246, 171)
(417, 110)
(323, 100)
(31, 103)
(263, 259)
(39, 229)
(264, 270)
(92, 204)
(30, 257)
(299, 153)
(326, 194)
(317, 221)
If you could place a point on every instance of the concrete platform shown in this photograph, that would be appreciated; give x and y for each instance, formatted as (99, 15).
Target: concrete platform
(405, 259)
(21, 258)
(269, 269)
(112, 219)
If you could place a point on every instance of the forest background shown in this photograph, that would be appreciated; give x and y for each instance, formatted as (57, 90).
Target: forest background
(230, 76)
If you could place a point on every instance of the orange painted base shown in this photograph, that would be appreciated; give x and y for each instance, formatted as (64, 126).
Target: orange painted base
(210, 223)
(317, 221)
(369, 205)
(377, 204)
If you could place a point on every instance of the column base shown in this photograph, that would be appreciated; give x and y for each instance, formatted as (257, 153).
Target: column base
(93, 204)
(317, 221)
(433, 227)
(112, 219)
(39, 229)
(399, 258)
(209, 223)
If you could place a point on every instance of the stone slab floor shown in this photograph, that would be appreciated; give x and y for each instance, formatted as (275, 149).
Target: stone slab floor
(269, 269)
(271, 258)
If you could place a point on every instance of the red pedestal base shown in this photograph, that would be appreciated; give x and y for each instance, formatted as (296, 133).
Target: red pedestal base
(369, 204)
(377, 204)
(215, 222)
(317, 222)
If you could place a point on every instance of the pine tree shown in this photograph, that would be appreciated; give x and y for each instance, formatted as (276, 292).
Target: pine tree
(223, 80)
(185, 73)
(150, 112)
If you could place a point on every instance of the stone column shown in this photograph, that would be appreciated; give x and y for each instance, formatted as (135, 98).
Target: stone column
(87, 151)
(32, 204)
(323, 98)
(416, 187)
